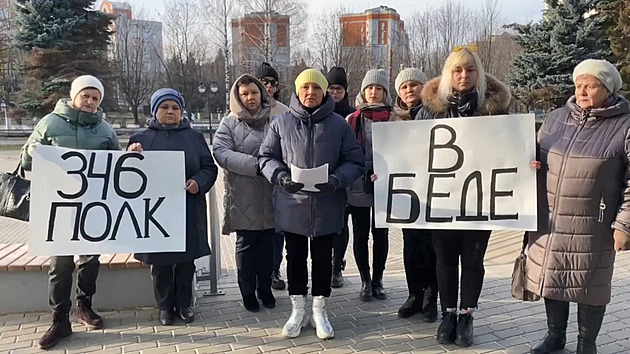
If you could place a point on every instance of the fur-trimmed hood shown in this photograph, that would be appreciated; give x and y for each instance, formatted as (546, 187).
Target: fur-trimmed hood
(497, 99)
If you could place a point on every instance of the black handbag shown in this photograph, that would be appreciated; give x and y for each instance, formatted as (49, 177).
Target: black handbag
(519, 276)
(15, 194)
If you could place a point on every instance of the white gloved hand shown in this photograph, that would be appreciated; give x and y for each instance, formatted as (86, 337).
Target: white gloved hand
(31, 148)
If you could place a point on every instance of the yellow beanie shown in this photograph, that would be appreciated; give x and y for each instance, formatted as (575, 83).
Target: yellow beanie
(311, 75)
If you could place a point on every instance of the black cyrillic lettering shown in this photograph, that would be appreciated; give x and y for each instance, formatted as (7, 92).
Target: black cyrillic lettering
(118, 169)
(134, 220)
(53, 213)
(431, 195)
(108, 223)
(449, 145)
(104, 176)
(497, 194)
(84, 182)
(462, 209)
(148, 216)
(415, 201)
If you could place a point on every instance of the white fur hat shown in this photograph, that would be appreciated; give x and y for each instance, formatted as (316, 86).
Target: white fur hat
(86, 81)
(602, 70)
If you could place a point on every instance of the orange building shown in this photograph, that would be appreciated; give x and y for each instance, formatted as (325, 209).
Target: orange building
(380, 33)
(258, 37)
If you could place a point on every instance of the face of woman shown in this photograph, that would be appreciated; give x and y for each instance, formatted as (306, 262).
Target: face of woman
(87, 100)
(374, 94)
(590, 92)
(410, 93)
(169, 113)
(250, 97)
(464, 77)
(311, 95)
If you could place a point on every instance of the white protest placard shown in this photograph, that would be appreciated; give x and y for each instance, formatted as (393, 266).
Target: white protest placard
(104, 202)
(460, 173)
(309, 177)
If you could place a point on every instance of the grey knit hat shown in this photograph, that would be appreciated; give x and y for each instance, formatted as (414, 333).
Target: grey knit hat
(375, 77)
(601, 70)
(409, 74)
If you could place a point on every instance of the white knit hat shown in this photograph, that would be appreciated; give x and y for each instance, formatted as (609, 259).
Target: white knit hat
(601, 70)
(409, 74)
(86, 81)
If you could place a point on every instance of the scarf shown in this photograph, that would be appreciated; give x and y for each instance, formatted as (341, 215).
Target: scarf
(463, 105)
(373, 112)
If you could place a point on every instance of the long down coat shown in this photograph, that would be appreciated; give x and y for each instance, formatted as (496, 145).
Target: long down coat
(247, 200)
(309, 140)
(582, 192)
(199, 166)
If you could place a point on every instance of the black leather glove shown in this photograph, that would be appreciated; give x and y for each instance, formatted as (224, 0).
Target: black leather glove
(329, 186)
(284, 180)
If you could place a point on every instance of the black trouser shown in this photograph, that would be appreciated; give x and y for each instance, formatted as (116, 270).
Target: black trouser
(321, 263)
(60, 280)
(361, 222)
(449, 245)
(172, 284)
(278, 246)
(419, 260)
(340, 243)
(254, 260)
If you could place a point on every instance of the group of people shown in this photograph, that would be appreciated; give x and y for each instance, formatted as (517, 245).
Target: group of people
(583, 196)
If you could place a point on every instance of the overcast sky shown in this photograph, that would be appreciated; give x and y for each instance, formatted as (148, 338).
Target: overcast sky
(520, 11)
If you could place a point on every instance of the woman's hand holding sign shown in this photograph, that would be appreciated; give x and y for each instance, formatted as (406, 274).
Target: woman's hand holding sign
(137, 147)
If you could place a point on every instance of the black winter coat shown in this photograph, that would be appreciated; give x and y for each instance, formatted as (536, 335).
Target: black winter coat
(200, 167)
(309, 140)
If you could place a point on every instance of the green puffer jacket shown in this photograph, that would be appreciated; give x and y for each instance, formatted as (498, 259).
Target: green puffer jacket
(70, 128)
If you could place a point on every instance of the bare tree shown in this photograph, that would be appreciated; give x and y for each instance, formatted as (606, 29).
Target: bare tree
(186, 50)
(217, 15)
(133, 50)
(264, 11)
(488, 23)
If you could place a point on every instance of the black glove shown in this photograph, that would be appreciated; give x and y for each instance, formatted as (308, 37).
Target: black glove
(329, 186)
(284, 180)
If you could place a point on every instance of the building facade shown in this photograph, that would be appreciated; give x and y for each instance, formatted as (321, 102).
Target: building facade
(261, 37)
(379, 35)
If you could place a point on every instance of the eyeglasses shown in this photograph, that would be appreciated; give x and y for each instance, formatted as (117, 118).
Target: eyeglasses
(272, 82)
(469, 47)
(336, 89)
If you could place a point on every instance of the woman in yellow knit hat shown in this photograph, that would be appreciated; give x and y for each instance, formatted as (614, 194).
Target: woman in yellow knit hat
(310, 135)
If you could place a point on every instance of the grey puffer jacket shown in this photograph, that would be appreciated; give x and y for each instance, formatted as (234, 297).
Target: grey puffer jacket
(309, 140)
(247, 199)
(582, 191)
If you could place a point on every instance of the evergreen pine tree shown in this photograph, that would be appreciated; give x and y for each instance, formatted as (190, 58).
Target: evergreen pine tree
(618, 31)
(570, 31)
(62, 39)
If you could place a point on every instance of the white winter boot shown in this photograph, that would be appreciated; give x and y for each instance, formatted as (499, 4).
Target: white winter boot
(320, 318)
(298, 318)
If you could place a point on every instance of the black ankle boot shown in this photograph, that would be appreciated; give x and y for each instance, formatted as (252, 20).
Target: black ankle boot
(412, 306)
(589, 323)
(366, 286)
(556, 337)
(448, 328)
(464, 333)
(377, 286)
(553, 340)
(429, 305)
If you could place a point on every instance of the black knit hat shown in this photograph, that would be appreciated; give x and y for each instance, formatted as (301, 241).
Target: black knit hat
(266, 70)
(337, 76)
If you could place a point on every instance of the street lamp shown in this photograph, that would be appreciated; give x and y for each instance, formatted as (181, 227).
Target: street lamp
(202, 89)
